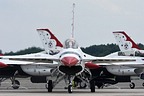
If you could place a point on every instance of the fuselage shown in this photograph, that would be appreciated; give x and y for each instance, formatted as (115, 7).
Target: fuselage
(129, 69)
(71, 61)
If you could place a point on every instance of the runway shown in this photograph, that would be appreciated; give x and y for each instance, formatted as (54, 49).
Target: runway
(78, 92)
(29, 89)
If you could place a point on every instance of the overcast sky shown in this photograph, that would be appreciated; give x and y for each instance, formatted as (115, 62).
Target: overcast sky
(95, 20)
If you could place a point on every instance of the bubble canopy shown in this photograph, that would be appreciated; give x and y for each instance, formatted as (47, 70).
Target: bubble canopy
(70, 43)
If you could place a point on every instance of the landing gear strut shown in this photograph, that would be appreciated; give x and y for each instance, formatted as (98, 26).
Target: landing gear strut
(69, 88)
(70, 79)
(15, 83)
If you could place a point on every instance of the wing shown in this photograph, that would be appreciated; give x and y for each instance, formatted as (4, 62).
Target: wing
(89, 58)
(112, 60)
(137, 63)
(30, 59)
(14, 62)
(116, 59)
(50, 58)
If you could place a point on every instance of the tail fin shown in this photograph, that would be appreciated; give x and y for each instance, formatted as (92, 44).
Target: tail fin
(124, 42)
(50, 42)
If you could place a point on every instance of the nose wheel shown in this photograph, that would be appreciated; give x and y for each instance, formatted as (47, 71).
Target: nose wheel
(70, 89)
(70, 79)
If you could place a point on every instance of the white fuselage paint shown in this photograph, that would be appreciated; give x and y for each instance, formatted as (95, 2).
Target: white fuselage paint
(37, 70)
(121, 70)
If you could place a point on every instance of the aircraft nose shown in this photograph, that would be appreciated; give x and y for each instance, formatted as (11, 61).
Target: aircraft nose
(69, 61)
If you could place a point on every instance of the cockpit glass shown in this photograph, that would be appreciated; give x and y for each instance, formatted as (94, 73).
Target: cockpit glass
(71, 43)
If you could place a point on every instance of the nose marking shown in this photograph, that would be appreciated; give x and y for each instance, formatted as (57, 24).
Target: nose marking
(69, 61)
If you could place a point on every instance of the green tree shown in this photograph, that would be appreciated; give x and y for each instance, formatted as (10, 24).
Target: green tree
(25, 51)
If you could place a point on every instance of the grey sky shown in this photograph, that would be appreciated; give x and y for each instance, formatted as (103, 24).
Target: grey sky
(95, 20)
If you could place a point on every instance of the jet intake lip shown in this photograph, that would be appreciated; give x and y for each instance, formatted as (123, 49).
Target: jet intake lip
(69, 61)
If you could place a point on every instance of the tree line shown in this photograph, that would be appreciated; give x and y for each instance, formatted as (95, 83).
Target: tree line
(95, 50)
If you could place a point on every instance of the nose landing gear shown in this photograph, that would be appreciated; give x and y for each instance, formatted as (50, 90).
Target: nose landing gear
(70, 88)
(70, 79)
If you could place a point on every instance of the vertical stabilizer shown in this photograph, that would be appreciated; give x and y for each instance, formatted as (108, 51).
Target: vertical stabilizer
(124, 42)
(50, 42)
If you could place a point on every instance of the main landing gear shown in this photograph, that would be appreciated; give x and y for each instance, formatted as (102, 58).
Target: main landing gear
(92, 85)
(143, 84)
(132, 85)
(49, 86)
(15, 84)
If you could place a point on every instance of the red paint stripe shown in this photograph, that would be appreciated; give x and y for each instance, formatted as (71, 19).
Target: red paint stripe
(134, 45)
(53, 37)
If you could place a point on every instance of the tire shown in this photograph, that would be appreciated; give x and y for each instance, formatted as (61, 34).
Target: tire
(46, 86)
(99, 86)
(143, 84)
(70, 89)
(132, 85)
(83, 85)
(50, 86)
(92, 86)
(15, 84)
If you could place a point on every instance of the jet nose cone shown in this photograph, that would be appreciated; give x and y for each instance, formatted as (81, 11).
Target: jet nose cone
(69, 61)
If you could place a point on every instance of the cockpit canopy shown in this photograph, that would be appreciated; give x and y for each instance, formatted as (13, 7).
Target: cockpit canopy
(70, 43)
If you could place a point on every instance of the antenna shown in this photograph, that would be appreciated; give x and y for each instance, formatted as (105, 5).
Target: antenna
(73, 21)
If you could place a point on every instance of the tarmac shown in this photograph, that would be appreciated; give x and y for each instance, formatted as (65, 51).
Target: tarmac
(38, 89)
